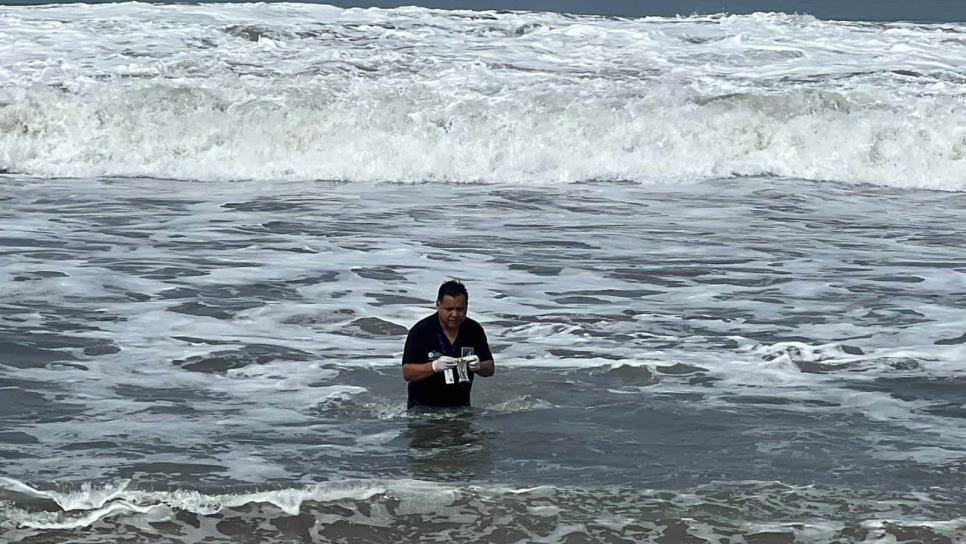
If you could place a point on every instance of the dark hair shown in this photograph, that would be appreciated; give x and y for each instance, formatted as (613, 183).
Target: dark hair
(452, 288)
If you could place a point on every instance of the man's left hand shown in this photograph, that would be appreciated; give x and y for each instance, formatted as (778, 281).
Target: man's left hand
(472, 362)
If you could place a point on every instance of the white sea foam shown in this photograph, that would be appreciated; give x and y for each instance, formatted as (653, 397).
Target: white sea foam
(87, 498)
(290, 91)
(94, 504)
(811, 513)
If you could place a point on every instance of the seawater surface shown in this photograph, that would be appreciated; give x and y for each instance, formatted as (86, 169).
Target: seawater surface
(726, 358)
(719, 259)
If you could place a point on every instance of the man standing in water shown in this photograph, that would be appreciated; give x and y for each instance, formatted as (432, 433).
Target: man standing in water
(439, 345)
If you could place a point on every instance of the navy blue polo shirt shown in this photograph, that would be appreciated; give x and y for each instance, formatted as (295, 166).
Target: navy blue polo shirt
(427, 341)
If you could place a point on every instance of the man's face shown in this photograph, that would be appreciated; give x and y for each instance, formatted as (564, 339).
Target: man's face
(451, 311)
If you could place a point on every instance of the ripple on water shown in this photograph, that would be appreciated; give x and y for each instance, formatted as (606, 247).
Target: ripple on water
(250, 354)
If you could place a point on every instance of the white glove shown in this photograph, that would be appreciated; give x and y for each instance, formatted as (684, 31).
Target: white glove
(472, 362)
(444, 362)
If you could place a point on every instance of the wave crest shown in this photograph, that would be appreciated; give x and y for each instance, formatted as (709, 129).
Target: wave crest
(413, 134)
(308, 92)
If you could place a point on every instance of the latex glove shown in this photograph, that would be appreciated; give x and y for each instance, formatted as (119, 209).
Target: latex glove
(444, 362)
(472, 362)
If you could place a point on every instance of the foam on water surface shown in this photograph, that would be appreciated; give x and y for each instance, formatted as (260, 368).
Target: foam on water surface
(200, 343)
(553, 514)
(300, 91)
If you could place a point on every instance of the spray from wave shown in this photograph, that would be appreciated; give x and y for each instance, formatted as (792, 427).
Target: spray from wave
(409, 135)
(413, 95)
(352, 509)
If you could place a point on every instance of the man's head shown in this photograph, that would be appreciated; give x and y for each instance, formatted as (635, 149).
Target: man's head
(451, 303)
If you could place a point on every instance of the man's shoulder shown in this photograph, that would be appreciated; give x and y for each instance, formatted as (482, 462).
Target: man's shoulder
(473, 325)
(426, 324)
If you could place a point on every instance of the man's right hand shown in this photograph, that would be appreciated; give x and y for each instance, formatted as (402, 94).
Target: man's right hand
(444, 362)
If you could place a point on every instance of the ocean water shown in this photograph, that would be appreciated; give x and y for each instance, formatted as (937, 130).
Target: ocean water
(719, 259)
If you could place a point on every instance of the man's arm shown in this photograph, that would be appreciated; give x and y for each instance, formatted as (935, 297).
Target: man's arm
(414, 372)
(487, 368)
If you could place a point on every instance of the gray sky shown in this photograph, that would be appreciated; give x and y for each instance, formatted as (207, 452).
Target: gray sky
(856, 10)
(861, 10)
